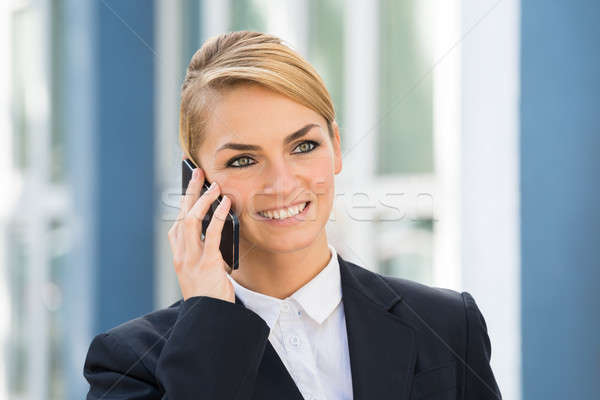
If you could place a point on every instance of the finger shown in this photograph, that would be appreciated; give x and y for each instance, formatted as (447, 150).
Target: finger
(177, 246)
(202, 205)
(172, 238)
(190, 237)
(172, 233)
(181, 212)
(212, 241)
(192, 229)
(175, 228)
(193, 190)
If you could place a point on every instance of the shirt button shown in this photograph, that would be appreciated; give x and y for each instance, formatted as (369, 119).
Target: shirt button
(285, 307)
(294, 341)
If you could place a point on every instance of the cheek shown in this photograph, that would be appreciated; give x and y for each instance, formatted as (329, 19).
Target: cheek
(237, 190)
(321, 177)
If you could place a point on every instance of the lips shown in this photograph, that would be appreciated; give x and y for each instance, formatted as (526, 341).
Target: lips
(298, 203)
(284, 212)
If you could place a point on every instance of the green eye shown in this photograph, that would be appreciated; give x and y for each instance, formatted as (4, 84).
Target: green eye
(241, 162)
(307, 145)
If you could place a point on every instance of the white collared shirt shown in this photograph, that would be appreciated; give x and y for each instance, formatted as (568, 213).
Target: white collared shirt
(308, 332)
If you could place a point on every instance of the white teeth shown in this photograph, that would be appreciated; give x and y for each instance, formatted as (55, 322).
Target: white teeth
(284, 213)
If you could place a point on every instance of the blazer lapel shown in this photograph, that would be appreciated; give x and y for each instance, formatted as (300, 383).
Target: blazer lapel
(273, 380)
(381, 346)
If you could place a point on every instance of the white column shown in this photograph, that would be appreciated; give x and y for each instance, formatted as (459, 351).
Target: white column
(288, 19)
(215, 17)
(446, 134)
(359, 148)
(167, 150)
(7, 181)
(37, 103)
(490, 178)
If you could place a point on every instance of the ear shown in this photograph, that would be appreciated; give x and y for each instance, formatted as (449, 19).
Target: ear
(337, 148)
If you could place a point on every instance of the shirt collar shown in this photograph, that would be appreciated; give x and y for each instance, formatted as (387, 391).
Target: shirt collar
(318, 297)
(321, 295)
(267, 307)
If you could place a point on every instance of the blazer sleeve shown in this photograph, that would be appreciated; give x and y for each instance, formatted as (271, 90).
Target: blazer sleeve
(114, 371)
(479, 378)
(213, 351)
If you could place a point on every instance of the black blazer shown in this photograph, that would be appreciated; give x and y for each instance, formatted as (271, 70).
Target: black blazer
(406, 341)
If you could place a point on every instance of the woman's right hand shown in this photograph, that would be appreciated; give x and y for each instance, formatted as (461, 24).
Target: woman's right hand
(199, 265)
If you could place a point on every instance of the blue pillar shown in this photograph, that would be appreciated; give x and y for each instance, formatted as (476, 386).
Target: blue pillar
(560, 199)
(107, 85)
(125, 58)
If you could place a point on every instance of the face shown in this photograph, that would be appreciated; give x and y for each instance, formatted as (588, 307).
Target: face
(268, 152)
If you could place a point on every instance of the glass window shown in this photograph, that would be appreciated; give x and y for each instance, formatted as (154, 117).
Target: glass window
(17, 262)
(406, 248)
(21, 39)
(23, 242)
(326, 48)
(53, 300)
(17, 257)
(57, 138)
(247, 15)
(190, 31)
(405, 109)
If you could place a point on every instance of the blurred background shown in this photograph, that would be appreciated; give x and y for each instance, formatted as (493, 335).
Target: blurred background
(470, 134)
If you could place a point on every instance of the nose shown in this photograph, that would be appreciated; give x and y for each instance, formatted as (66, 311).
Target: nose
(281, 180)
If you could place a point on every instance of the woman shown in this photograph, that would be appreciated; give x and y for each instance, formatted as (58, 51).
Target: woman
(296, 320)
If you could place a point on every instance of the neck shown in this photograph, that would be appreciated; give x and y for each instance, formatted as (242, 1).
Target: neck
(280, 274)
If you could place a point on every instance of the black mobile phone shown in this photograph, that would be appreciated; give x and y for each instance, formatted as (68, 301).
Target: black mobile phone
(230, 236)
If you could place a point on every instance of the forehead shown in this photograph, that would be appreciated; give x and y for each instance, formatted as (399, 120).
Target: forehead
(254, 114)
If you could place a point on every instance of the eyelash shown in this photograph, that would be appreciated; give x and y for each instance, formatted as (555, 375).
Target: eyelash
(315, 145)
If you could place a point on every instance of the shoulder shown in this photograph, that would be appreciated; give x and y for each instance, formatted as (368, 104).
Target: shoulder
(441, 308)
(136, 343)
(444, 304)
(431, 300)
(148, 326)
(446, 321)
(443, 319)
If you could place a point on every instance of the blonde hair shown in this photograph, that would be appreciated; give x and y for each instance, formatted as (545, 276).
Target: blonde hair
(245, 57)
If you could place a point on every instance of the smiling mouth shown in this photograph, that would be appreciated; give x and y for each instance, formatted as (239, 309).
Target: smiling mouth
(285, 212)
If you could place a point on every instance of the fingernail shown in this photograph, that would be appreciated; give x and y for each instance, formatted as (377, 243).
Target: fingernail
(195, 173)
(212, 185)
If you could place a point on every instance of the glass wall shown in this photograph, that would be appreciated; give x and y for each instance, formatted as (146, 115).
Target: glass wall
(405, 133)
(405, 101)
(36, 230)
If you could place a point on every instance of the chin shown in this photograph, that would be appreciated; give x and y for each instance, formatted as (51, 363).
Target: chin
(286, 242)
(289, 246)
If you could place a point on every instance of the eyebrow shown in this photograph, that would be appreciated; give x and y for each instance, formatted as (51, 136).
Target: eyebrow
(290, 138)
